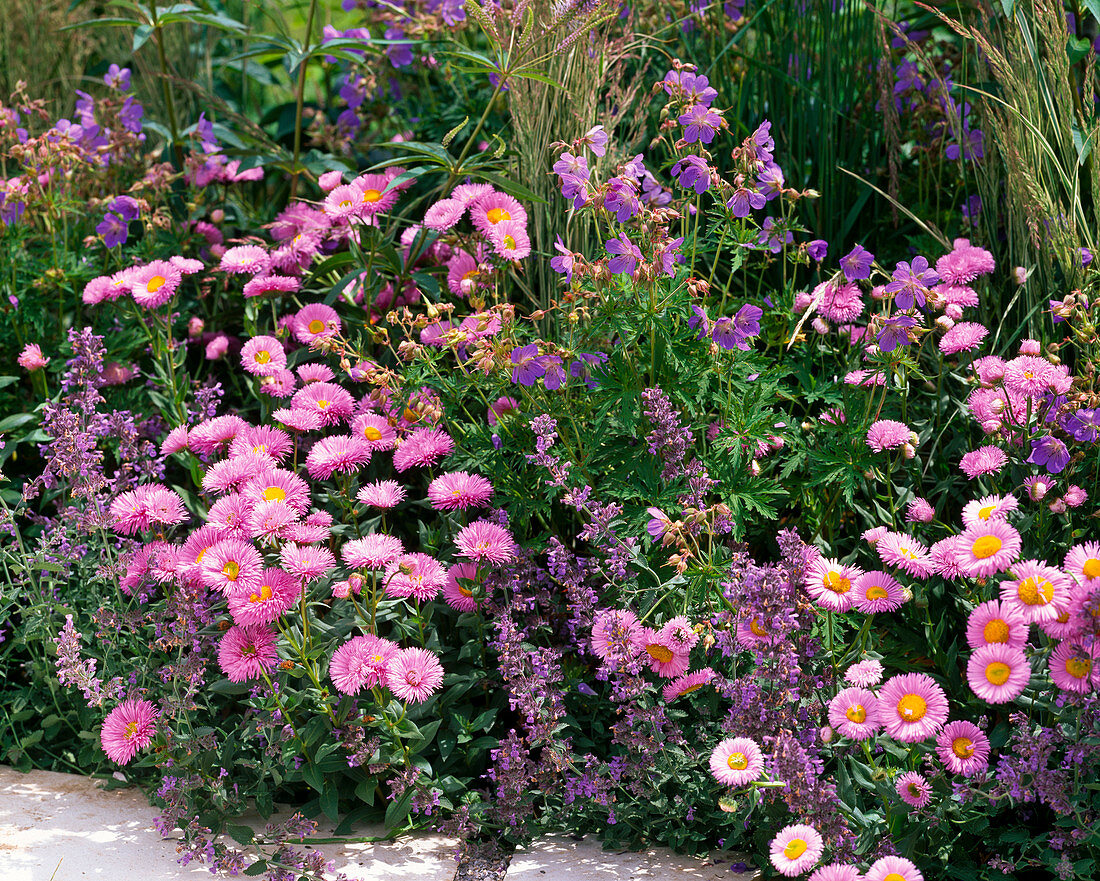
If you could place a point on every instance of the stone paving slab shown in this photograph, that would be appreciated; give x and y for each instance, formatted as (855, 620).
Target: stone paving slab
(63, 827)
(565, 858)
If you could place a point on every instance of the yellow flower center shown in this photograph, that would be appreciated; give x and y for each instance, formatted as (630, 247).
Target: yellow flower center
(465, 591)
(737, 761)
(1079, 668)
(837, 583)
(963, 747)
(986, 546)
(509, 242)
(372, 195)
(877, 592)
(986, 512)
(1035, 591)
(914, 790)
(998, 672)
(265, 594)
(496, 215)
(912, 708)
(1091, 569)
(659, 653)
(795, 848)
(346, 203)
(470, 275)
(263, 356)
(322, 404)
(371, 433)
(316, 326)
(231, 570)
(131, 730)
(995, 631)
(274, 494)
(756, 628)
(691, 688)
(907, 553)
(200, 555)
(894, 876)
(155, 283)
(857, 714)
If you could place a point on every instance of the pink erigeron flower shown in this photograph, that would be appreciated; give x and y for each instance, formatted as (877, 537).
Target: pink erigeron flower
(375, 430)
(342, 202)
(837, 872)
(444, 214)
(31, 358)
(996, 622)
(232, 474)
(906, 553)
(231, 566)
(175, 442)
(1028, 375)
(279, 485)
(616, 634)
(796, 849)
(482, 540)
(331, 402)
(998, 672)
(462, 274)
(886, 434)
(736, 761)
(314, 323)
(230, 514)
(493, 208)
(360, 663)
(877, 591)
(912, 707)
(664, 657)
(272, 520)
(914, 789)
(372, 552)
(275, 594)
(1082, 564)
(306, 562)
(1073, 667)
(687, 683)
(1037, 591)
(139, 509)
(375, 198)
(337, 454)
(270, 286)
(963, 337)
(854, 713)
(984, 460)
(964, 263)
(314, 373)
(459, 490)
(864, 674)
(244, 260)
(945, 558)
(893, 869)
(247, 652)
(382, 494)
(510, 240)
(419, 576)
(298, 419)
(211, 435)
(413, 675)
(987, 547)
(128, 729)
(280, 384)
(467, 193)
(456, 594)
(989, 508)
(963, 748)
(830, 584)
(920, 511)
(421, 448)
(154, 285)
(263, 356)
(263, 439)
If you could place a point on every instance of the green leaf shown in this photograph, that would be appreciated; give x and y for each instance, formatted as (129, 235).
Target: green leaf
(257, 868)
(15, 421)
(141, 36)
(243, 835)
(398, 810)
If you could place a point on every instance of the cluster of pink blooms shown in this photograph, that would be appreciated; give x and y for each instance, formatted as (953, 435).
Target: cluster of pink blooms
(799, 847)
(262, 544)
(501, 222)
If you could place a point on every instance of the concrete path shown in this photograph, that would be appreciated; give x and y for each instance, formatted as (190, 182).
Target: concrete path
(62, 827)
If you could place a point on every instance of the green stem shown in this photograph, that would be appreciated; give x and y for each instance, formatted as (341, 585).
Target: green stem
(299, 98)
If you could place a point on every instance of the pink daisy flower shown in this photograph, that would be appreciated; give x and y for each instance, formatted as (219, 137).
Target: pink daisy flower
(372, 552)
(665, 658)
(998, 673)
(422, 447)
(1073, 668)
(616, 634)
(736, 761)
(830, 584)
(275, 594)
(413, 675)
(965, 263)
(332, 403)
(247, 652)
(306, 562)
(482, 540)
(457, 595)
(752, 632)
(1028, 375)
(1082, 563)
(337, 454)
(988, 508)
(906, 553)
(271, 520)
(467, 193)
(963, 748)
(912, 707)
(1066, 625)
(375, 430)
(232, 566)
(886, 434)
(444, 214)
(914, 789)
(231, 474)
(1036, 591)
(984, 460)
(510, 240)
(175, 442)
(230, 515)
(493, 208)
(270, 286)
(382, 494)
(244, 260)
(342, 202)
(263, 356)
(944, 555)
(864, 674)
(279, 385)
(298, 419)
(128, 729)
(315, 373)
(210, 436)
(462, 274)
(796, 849)
(315, 322)
(154, 285)
(279, 485)
(877, 591)
(963, 337)
(874, 535)
(854, 713)
(458, 490)
(415, 575)
(375, 197)
(995, 622)
(264, 440)
(837, 872)
(920, 511)
(687, 683)
(361, 663)
(987, 548)
(893, 869)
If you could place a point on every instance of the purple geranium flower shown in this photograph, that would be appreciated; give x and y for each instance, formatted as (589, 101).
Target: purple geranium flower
(596, 139)
(700, 124)
(582, 367)
(745, 200)
(911, 282)
(817, 249)
(625, 255)
(527, 365)
(117, 78)
(125, 207)
(670, 256)
(1084, 425)
(699, 320)
(856, 264)
(622, 199)
(113, 229)
(895, 332)
(747, 320)
(773, 237)
(1050, 453)
(692, 172)
(563, 263)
